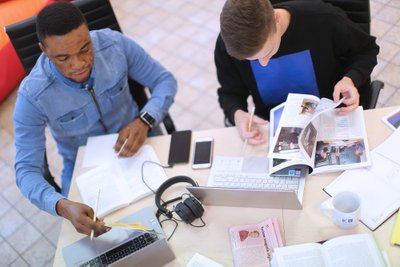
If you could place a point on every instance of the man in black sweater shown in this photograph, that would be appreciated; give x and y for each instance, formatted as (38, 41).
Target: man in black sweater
(307, 47)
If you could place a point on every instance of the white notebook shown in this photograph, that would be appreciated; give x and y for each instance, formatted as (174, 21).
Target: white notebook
(120, 181)
(378, 186)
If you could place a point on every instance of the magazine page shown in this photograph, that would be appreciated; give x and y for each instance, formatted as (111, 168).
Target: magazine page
(254, 244)
(298, 111)
(275, 164)
(341, 142)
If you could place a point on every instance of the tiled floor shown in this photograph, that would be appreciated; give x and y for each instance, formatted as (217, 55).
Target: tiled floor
(181, 35)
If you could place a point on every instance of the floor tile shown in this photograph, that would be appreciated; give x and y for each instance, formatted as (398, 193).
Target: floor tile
(4, 206)
(53, 233)
(390, 74)
(5, 138)
(388, 50)
(10, 222)
(44, 222)
(19, 262)
(40, 253)
(7, 174)
(393, 35)
(24, 238)
(26, 208)
(7, 254)
(12, 193)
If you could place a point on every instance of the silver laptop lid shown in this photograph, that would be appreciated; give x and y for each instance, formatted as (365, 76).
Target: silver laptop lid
(240, 197)
(85, 249)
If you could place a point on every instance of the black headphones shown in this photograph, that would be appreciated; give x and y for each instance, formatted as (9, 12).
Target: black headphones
(188, 210)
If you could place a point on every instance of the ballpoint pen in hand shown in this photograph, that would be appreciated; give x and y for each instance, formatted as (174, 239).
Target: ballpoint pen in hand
(122, 147)
(253, 109)
(95, 214)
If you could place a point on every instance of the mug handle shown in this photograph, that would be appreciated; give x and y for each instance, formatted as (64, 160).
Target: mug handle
(326, 208)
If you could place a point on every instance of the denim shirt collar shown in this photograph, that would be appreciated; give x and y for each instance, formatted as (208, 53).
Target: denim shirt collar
(86, 84)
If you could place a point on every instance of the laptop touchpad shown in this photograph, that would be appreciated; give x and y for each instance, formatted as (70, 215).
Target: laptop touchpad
(255, 164)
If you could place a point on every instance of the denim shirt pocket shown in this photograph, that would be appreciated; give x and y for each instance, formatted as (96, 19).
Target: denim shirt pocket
(119, 94)
(74, 122)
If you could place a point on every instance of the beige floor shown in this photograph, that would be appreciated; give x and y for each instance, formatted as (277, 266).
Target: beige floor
(181, 35)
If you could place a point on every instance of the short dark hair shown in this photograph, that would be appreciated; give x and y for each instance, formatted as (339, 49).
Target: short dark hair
(246, 25)
(58, 19)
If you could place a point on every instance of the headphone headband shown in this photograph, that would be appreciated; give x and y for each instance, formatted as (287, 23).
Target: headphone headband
(164, 186)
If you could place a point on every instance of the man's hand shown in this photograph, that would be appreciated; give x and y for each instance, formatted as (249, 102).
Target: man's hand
(254, 136)
(135, 134)
(81, 217)
(346, 88)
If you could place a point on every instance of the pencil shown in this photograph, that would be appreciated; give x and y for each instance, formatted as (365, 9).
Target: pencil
(95, 213)
(253, 109)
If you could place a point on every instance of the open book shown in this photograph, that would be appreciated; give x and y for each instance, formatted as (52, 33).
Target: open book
(121, 181)
(306, 131)
(252, 245)
(349, 250)
(378, 185)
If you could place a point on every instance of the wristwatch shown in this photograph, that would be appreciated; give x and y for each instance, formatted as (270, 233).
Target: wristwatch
(147, 118)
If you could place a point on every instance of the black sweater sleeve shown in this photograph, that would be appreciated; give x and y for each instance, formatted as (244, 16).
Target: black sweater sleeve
(357, 48)
(233, 93)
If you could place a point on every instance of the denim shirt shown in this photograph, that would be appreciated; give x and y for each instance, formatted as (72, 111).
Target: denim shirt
(45, 99)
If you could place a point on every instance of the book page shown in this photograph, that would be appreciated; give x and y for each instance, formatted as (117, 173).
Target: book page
(254, 244)
(303, 255)
(353, 250)
(131, 169)
(114, 191)
(100, 150)
(389, 148)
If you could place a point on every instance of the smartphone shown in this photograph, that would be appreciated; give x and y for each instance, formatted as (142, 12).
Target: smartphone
(179, 148)
(203, 151)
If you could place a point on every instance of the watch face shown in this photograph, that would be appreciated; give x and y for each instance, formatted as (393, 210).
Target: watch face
(147, 118)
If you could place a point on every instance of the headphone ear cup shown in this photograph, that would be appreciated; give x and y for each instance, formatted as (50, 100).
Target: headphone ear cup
(184, 212)
(195, 206)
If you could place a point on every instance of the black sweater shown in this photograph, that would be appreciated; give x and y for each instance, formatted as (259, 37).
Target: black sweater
(338, 48)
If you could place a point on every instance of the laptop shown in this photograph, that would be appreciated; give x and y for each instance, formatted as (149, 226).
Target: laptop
(245, 182)
(122, 246)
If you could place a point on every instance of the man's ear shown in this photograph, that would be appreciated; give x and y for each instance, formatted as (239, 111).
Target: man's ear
(277, 16)
(42, 47)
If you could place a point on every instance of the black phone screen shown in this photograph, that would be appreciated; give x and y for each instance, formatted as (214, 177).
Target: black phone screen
(202, 152)
(179, 148)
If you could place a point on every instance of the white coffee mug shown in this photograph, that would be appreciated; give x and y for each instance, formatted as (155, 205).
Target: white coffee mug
(343, 209)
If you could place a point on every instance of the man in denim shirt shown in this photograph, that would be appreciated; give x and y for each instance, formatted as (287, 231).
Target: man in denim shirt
(79, 88)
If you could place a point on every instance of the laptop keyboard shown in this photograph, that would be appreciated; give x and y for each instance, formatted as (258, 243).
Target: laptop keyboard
(255, 181)
(123, 250)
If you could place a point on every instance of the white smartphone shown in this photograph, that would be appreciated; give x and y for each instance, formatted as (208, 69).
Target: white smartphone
(203, 150)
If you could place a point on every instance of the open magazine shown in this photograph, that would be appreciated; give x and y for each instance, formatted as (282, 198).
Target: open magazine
(253, 245)
(306, 131)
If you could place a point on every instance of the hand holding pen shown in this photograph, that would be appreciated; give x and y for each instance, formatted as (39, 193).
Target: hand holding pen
(246, 125)
(131, 138)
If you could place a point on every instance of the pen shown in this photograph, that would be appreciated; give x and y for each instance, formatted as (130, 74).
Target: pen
(253, 109)
(95, 214)
(122, 147)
